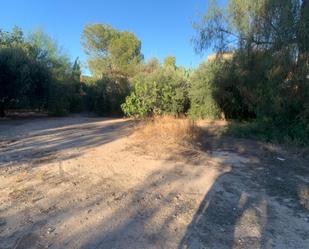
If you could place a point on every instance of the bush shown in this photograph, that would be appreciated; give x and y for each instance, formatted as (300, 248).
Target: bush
(201, 91)
(23, 80)
(296, 134)
(58, 100)
(75, 96)
(105, 96)
(257, 88)
(164, 91)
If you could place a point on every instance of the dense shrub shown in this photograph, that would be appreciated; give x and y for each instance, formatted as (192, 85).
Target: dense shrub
(201, 91)
(164, 91)
(266, 81)
(76, 94)
(257, 88)
(34, 74)
(105, 96)
(58, 104)
(23, 80)
(66, 97)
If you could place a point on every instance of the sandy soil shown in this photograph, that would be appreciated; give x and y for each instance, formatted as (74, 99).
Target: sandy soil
(79, 182)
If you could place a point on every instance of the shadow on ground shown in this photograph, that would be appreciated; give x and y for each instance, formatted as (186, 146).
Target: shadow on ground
(246, 197)
(254, 204)
(55, 138)
(255, 201)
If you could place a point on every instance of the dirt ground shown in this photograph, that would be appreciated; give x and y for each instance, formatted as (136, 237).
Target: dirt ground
(78, 182)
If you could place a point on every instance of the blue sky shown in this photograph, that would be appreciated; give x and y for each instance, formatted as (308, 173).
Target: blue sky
(163, 26)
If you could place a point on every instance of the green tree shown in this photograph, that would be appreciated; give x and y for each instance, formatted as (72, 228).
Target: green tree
(23, 78)
(262, 24)
(111, 52)
(76, 70)
(47, 52)
(13, 39)
(201, 91)
(267, 76)
(23, 81)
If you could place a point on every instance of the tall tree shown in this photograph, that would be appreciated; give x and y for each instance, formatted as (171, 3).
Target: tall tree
(111, 52)
(47, 52)
(269, 40)
(261, 24)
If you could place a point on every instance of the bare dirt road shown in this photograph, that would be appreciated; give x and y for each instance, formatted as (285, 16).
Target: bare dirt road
(77, 182)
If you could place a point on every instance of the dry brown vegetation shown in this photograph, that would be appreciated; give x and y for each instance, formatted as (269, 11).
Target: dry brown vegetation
(160, 136)
(163, 136)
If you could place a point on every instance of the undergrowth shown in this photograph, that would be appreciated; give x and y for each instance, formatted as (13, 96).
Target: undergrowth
(163, 135)
(296, 135)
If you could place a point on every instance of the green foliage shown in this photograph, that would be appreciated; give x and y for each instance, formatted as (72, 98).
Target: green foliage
(58, 103)
(164, 91)
(66, 97)
(111, 52)
(262, 24)
(15, 39)
(266, 80)
(146, 68)
(76, 70)
(35, 74)
(105, 96)
(47, 52)
(260, 74)
(202, 88)
(23, 81)
(67, 94)
(170, 61)
(253, 87)
(294, 134)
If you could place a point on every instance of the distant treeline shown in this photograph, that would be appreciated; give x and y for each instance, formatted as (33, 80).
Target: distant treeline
(258, 75)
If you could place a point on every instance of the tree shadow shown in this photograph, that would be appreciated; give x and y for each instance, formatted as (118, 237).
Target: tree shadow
(241, 208)
(246, 207)
(214, 224)
(151, 210)
(126, 227)
(34, 141)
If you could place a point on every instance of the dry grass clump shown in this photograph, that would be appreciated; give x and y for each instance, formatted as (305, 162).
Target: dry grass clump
(303, 194)
(165, 135)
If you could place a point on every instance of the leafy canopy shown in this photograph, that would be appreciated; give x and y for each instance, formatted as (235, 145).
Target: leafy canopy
(162, 91)
(111, 52)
